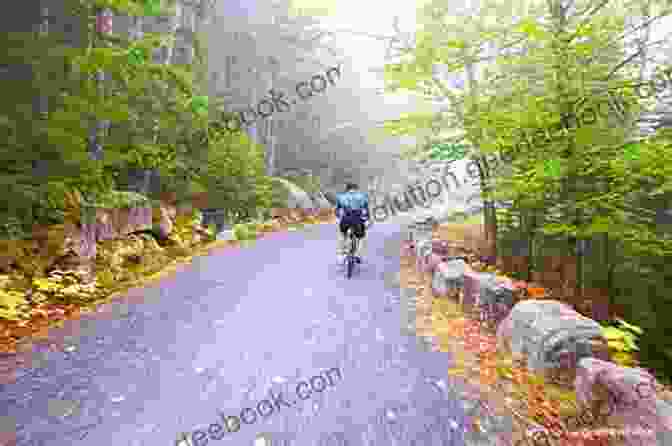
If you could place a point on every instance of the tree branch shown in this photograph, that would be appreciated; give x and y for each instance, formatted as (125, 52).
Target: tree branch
(622, 37)
(630, 58)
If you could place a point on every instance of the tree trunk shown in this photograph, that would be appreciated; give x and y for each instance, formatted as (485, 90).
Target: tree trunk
(489, 210)
(490, 217)
(530, 242)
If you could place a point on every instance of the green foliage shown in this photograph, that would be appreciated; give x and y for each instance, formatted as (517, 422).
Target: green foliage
(622, 338)
(137, 56)
(458, 217)
(212, 232)
(631, 152)
(196, 218)
(578, 168)
(199, 104)
(148, 105)
(157, 120)
(152, 7)
(245, 231)
(279, 194)
(447, 152)
(235, 176)
(409, 124)
(137, 7)
(121, 199)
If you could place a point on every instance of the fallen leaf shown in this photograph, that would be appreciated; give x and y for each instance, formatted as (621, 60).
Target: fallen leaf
(21, 332)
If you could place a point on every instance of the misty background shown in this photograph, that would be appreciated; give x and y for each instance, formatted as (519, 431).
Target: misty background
(254, 46)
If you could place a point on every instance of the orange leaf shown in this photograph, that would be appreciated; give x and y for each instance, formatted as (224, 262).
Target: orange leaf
(536, 292)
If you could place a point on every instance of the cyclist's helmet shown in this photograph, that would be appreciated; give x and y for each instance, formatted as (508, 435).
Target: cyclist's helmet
(350, 187)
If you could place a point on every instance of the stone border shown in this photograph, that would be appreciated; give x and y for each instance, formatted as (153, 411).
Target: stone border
(476, 400)
(432, 257)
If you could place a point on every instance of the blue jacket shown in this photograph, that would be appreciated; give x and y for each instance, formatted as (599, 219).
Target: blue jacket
(352, 200)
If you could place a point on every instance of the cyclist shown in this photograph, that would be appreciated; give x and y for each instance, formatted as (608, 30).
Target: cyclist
(352, 208)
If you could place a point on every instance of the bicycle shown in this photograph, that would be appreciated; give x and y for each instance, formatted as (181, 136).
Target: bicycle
(351, 258)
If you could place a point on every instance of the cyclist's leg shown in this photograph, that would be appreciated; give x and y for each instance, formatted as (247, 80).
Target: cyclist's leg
(361, 241)
(342, 245)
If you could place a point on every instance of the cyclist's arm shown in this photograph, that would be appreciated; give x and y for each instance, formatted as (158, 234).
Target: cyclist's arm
(367, 209)
(338, 207)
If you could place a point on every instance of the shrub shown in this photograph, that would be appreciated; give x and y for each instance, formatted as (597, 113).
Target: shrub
(252, 230)
(245, 231)
(240, 232)
(121, 199)
(279, 194)
(235, 177)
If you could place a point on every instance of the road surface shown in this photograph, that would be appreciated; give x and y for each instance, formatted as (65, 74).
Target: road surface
(336, 360)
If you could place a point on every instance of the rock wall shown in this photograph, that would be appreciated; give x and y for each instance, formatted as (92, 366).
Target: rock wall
(75, 244)
(550, 336)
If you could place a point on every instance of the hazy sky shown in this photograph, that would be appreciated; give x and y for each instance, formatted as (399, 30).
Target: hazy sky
(370, 16)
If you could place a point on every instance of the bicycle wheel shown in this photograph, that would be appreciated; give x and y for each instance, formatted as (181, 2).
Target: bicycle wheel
(350, 261)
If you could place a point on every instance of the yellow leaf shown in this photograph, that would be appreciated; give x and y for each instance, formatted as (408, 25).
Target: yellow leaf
(612, 333)
(505, 372)
(616, 344)
(10, 302)
(624, 359)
